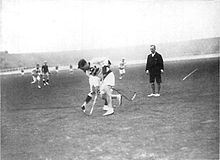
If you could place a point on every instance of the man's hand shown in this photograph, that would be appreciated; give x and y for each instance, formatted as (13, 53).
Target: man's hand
(162, 70)
(147, 71)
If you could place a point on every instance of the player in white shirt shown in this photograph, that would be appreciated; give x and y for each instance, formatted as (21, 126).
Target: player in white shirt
(101, 81)
(122, 68)
(36, 75)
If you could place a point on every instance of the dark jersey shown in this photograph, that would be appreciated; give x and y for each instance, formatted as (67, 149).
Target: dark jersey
(45, 69)
(154, 63)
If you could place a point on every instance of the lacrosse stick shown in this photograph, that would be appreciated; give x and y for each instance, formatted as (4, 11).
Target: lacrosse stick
(93, 104)
(129, 99)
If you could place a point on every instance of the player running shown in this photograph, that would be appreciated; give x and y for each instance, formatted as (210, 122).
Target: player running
(101, 81)
(36, 74)
(45, 73)
(122, 68)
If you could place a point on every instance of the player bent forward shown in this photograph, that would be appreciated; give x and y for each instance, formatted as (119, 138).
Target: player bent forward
(36, 73)
(101, 81)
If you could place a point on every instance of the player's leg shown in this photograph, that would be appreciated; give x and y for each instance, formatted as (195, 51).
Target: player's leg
(104, 97)
(152, 79)
(47, 78)
(158, 80)
(38, 81)
(118, 97)
(34, 79)
(94, 83)
(87, 100)
(120, 73)
(110, 81)
(123, 73)
(44, 79)
(106, 91)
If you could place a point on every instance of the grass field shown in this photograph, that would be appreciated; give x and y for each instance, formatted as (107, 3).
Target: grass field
(47, 123)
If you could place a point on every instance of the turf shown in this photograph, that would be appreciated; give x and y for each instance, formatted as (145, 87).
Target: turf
(47, 123)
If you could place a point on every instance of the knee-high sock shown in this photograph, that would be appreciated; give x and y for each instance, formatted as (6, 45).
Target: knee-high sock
(153, 87)
(109, 100)
(158, 88)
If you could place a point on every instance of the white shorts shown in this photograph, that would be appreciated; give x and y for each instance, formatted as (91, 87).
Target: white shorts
(108, 81)
(122, 71)
(94, 81)
(35, 78)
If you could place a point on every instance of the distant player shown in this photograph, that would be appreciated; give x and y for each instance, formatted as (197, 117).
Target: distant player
(45, 73)
(57, 69)
(36, 75)
(122, 68)
(71, 68)
(101, 81)
(22, 71)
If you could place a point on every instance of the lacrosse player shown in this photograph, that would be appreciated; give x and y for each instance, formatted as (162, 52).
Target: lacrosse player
(22, 71)
(122, 68)
(71, 68)
(101, 81)
(57, 69)
(45, 73)
(36, 74)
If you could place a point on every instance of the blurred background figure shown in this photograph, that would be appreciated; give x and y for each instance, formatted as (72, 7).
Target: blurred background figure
(71, 68)
(36, 73)
(45, 73)
(22, 71)
(122, 68)
(57, 69)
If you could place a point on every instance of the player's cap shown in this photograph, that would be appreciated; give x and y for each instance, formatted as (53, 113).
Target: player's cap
(45, 61)
(81, 63)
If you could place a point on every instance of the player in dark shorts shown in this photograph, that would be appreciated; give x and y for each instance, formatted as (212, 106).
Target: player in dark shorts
(154, 68)
(45, 73)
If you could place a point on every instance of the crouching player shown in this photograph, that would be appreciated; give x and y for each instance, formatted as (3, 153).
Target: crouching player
(45, 73)
(36, 74)
(101, 81)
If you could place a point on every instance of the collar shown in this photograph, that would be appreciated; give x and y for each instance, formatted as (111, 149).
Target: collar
(153, 54)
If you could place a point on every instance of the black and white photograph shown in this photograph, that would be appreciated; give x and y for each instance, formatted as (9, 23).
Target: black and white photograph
(109, 79)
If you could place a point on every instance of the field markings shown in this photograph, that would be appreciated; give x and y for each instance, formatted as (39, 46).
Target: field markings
(209, 121)
(136, 117)
(190, 73)
(124, 128)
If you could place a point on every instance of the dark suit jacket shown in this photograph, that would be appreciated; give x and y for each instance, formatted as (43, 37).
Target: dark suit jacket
(154, 64)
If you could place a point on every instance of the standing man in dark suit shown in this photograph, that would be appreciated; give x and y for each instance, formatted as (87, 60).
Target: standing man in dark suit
(154, 67)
